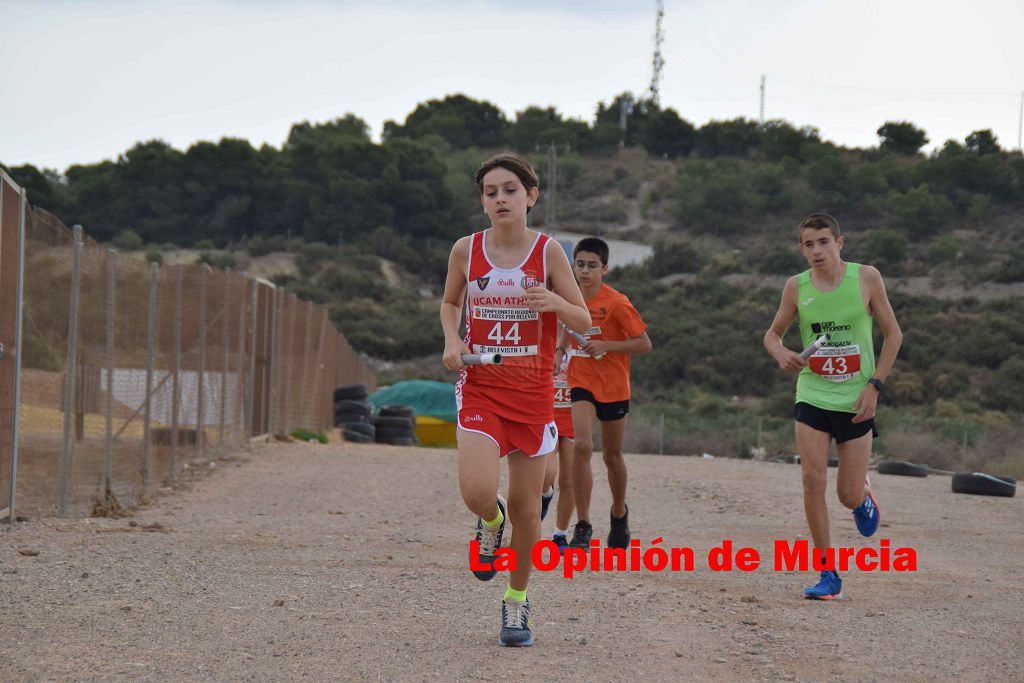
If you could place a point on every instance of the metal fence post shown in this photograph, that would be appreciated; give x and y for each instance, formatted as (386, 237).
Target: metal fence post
(23, 209)
(224, 345)
(661, 434)
(289, 353)
(251, 415)
(271, 386)
(238, 411)
(200, 398)
(265, 405)
(304, 378)
(154, 283)
(176, 380)
(318, 408)
(108, 437)
(70, 369)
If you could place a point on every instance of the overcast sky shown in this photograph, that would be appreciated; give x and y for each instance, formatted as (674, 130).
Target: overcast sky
(83, 80)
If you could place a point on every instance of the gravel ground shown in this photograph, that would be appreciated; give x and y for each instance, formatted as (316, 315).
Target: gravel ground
(342, 562)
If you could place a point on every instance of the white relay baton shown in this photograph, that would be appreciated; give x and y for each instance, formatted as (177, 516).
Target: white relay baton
(481, 358)
(813, 348)
(581, 340)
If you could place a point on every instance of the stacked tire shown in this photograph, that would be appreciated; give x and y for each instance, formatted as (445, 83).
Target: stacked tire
(353, 414)
(396, 426)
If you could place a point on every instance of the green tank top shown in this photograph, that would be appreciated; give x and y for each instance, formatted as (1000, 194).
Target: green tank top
(836, 374)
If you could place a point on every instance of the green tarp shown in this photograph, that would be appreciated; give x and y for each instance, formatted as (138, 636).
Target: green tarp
(433, 399)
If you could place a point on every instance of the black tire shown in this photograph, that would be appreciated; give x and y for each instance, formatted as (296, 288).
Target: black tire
(902, 468)
(396, 441)
(350, 391)
(399, 422)
(397, 411)
(980, 484)
(396, 432)
(349, 405)
(355, 437)
(361, 427)
(340, 418)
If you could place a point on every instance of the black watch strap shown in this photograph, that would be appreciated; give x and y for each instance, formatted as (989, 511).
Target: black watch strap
(877, 384)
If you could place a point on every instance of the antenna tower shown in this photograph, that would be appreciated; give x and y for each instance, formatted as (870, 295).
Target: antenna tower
(658, 62)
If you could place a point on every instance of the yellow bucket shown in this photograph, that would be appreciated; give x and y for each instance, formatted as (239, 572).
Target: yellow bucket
(434, 432)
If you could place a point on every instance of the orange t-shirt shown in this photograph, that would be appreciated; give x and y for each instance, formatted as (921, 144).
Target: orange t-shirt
(613, 319)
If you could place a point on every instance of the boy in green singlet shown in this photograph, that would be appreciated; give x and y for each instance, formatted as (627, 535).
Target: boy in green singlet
(838, 386)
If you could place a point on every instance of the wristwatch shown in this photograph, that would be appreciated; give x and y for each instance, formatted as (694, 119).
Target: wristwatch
(877, 384)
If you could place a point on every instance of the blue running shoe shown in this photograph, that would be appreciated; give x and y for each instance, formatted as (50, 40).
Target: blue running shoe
(830, 587)
(515, 624)
(545, 502)
(866, 515)
(490, 541)
(562, 542)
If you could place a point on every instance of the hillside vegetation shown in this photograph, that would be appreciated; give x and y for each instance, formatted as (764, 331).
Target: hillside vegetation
(367, 227)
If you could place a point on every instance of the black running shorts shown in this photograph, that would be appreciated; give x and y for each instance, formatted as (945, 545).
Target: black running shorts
(606, 412)
(834, 422)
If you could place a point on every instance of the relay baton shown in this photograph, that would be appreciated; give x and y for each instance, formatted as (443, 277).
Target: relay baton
(580, 339)
(813, 348)
(481, 358)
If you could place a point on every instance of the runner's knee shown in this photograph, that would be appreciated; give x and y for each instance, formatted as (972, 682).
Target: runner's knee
(851, 498)
(584, 448)
(815, 480)
(522, 510)
(477, 498)
(613, 457)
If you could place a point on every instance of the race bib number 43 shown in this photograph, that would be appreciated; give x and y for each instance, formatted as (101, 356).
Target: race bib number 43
(836, 363)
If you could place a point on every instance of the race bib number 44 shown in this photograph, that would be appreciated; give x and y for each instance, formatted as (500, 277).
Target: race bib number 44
(836, 363)
(510, 331)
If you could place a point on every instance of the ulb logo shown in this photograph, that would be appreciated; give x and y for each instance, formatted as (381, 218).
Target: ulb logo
(482, 282)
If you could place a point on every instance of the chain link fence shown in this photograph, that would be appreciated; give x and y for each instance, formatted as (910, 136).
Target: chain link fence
(132, 374)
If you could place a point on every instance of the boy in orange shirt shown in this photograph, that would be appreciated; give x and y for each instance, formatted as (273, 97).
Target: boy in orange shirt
(599, 388)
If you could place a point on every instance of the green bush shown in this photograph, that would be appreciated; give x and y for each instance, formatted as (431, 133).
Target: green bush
(128, 240)
(885, 249)
(943, 250)
(921, 211)
(218, 259)
(309, 435)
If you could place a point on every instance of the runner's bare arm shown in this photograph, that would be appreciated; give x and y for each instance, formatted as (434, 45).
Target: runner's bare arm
(788, 360)
(561, 347)
(881, 309)
(564, 298)
(635, 345)
(451, 306)
(892, 339)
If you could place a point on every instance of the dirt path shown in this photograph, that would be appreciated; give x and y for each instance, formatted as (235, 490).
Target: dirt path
(363, 548)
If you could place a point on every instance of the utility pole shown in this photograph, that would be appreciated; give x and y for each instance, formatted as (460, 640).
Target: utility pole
(1020, 122)
(764, 80)
(549, 207)
(625, 109)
